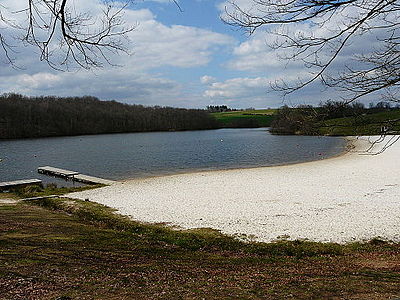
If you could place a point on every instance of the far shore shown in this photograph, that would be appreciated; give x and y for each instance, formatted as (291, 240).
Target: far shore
(349, 197)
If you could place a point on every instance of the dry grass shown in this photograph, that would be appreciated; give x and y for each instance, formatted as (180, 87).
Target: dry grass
(84, 251)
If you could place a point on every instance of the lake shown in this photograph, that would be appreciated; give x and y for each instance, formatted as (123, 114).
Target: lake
(133, 155)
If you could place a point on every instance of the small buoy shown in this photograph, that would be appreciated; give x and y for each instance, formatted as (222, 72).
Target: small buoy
(222, 140)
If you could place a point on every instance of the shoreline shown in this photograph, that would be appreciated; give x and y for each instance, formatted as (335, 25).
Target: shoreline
(346, 149)
(345, 198)
(115, 133)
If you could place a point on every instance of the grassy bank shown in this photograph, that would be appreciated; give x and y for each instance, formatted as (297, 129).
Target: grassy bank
(336, 120)
(67, 248)
(366, 124)
(248, 118)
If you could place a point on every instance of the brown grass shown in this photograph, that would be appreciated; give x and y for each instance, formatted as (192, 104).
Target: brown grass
(46, 254)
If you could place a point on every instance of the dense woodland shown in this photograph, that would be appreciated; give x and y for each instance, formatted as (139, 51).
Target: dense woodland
(26, 117)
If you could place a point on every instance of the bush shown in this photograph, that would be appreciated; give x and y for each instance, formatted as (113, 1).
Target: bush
(51, 186)
(30, 190)
(300, 120)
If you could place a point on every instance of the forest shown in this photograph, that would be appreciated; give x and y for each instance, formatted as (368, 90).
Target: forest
(45, 116)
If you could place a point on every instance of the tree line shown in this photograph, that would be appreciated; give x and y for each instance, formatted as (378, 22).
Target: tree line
(219, 108)
(45, 116)
(307, 120)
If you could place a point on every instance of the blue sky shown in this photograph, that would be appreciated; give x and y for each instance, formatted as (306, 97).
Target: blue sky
(182, 59)
(204, 14)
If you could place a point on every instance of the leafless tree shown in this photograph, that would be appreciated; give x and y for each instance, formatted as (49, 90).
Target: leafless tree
(343, 22)
(320, 33)
(64, 36)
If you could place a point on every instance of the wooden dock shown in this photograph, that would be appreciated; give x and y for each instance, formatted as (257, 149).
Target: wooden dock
(74, 176)
(91, 179)
(57, 172)
(18, 183)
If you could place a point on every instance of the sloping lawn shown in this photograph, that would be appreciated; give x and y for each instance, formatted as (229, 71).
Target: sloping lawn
(248, 118)
(369, 124)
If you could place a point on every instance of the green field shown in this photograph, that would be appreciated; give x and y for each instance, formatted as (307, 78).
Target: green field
(248, 118)
(69, 249)
(367, 124)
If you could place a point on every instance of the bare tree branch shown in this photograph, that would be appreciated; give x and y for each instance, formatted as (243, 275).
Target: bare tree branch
(64, 37)
(344, 22)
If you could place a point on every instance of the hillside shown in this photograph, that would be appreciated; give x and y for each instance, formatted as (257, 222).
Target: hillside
(247, 118)
(336, 119)
(366, 124)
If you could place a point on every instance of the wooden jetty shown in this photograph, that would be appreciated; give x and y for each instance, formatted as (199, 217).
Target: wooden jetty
(18, 183)
(91, 179)
(74, 176)
(57, 172)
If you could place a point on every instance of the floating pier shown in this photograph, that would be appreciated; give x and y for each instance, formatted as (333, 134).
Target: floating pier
(73, 175)
(18, 183)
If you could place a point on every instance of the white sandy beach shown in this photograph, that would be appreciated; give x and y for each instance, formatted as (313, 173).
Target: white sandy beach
(353, 197)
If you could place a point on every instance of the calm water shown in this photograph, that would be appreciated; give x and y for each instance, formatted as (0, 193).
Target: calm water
(122, 156)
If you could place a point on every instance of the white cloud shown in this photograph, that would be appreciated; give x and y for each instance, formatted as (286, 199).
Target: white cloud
(131, 88)
(158, 45)
(207, 79)
(38, 80)
(246, 5)
(254, 55)
(242, 92)
(257, 57)
(239, 92)
(153, 44)
(235, 88)
(159, 1)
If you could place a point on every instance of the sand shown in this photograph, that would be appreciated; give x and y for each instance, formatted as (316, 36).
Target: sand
(353, 197)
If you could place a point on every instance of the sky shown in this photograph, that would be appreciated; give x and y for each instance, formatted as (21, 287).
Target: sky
(187, 58)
